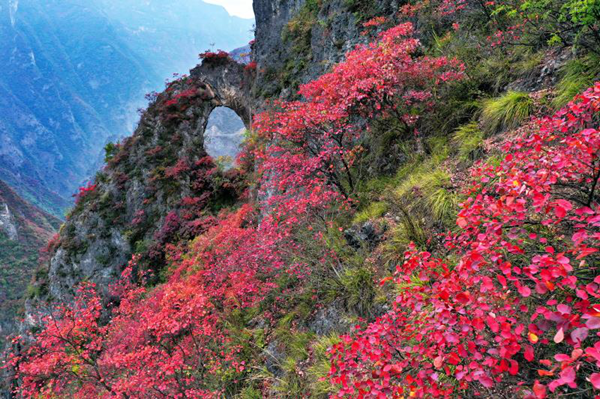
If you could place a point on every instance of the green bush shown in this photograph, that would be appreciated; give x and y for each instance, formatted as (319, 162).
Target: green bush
(110, 150)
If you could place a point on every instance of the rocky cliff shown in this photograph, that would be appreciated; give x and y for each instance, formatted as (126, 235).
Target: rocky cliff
(140, 191)
(298, 40)
(158, 187)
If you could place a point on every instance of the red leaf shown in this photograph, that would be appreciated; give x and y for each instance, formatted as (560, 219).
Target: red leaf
(529, 355)
(560, 212)
(567, 376)
(595, 380)
(486, 284)
(539, 390)
(585, 252)
(593, 323)
(486, 381)
(524, 290)
(579, 334)
(463, 297)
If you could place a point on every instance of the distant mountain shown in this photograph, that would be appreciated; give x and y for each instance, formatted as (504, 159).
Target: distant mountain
(224, 134)
(24, 230)
(73, 74)
(170, 34)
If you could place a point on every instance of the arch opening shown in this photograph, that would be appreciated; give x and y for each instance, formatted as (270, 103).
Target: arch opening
(223, 136)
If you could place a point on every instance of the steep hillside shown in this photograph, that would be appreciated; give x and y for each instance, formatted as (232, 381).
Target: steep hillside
(159, 187)
(24, 232)
(415, 214)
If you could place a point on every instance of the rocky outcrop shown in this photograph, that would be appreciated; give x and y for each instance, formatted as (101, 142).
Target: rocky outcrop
(157, 187)
(7, 222)
(299, 40)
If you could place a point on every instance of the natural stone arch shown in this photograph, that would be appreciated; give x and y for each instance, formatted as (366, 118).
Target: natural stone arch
(228, 85)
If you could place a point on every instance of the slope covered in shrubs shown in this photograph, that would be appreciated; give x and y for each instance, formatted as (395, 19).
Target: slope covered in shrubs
(410, 231)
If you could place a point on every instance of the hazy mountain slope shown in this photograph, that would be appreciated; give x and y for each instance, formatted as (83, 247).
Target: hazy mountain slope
(68, 84)
(75, 72)
(224, 133)
(24, 230)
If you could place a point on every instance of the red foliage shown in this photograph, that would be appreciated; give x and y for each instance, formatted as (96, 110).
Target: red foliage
(374, 22)
(154, 151)
(215, 57)
(182, 166)
(46, 252)
(440, 7)
(316, 139)
(72, 340)
(84, 192)
(523, 285)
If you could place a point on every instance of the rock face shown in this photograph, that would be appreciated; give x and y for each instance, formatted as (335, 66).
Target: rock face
(7, 222)
(299, 40)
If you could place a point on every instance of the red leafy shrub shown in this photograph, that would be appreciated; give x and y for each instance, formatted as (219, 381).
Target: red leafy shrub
(516, 307)
(84, 192)
(50, 248)
(314, 142)
(374, 22)
(152, 152)
(182, 166)
(216, 58)
(72, 340)
(440, 7)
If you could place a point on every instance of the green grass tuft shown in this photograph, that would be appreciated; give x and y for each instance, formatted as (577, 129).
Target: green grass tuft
(373, 211)
(320, 386)
(428, 189)
(469, 141)
(576, 76)
(506, 112)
